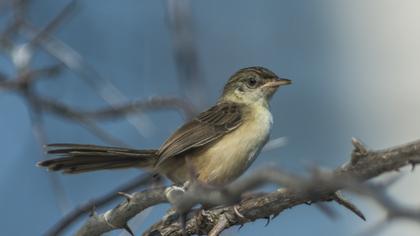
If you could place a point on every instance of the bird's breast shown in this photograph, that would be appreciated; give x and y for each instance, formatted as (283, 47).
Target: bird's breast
(230, 156)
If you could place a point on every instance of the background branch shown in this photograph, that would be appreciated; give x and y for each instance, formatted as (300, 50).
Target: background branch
(25, 80)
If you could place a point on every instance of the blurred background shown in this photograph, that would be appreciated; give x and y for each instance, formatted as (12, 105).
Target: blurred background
(354, 66)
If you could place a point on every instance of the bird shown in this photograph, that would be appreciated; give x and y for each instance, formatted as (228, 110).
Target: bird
(218, 145)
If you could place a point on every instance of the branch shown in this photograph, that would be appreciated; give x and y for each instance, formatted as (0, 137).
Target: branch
(371, 165)
(318, 188)
(180, 22)
(119, 216)
(96, 203)
(152, 104)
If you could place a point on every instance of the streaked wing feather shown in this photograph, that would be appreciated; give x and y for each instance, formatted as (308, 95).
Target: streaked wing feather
(205, 128)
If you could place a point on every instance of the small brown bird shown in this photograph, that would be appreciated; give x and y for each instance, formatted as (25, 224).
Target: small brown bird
(219, 144)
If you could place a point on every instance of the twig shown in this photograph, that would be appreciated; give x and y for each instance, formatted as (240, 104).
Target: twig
(152, 104)
(86, 207)
(180, 23)
(40, 135)
(222, 222)
(76, 63)
(54, 23)
(119, 216)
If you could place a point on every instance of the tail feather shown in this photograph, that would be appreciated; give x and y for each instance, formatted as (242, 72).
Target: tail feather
(77, 158)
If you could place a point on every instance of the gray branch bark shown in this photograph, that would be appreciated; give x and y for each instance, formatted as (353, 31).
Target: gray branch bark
(119, 216)
(320, 187)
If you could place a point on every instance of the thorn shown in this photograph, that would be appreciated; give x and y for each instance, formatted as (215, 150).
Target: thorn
(128, 229)
(242, 217)
(268, 218)
(413, 164)
(359, 146)
(127, 196)
(275, 215)
(338, 197)
(359, 151)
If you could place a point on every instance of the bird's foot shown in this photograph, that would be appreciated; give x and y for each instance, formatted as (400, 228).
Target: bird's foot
(239, 214)
(174, 194)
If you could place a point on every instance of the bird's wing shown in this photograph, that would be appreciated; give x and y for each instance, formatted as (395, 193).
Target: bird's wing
(204, 129)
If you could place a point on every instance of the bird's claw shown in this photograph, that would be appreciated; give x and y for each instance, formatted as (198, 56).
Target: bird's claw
(174, 193)
(242, 217)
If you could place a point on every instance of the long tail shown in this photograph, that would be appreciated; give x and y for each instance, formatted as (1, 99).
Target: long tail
(77, 158)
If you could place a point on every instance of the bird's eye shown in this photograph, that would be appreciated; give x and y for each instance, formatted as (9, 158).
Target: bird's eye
(252, 82)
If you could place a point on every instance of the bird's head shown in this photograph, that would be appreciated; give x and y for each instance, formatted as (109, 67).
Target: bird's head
(252, 85)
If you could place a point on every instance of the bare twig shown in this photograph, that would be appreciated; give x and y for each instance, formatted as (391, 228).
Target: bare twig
(152, 104)
(54, 23)
(39, 134)
(99, 202)
(119, 216)
(222, 222)
(76, 63)
(23, 84)
(180, 22)
(27, 77)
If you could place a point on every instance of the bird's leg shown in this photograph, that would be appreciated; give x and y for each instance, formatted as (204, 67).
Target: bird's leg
(186, 185)
(174, 194)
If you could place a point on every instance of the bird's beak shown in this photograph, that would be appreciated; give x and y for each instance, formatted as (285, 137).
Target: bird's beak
(277, 82)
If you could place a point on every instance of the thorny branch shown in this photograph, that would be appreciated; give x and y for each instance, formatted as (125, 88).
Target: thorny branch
(320, 187)
(96, 203)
